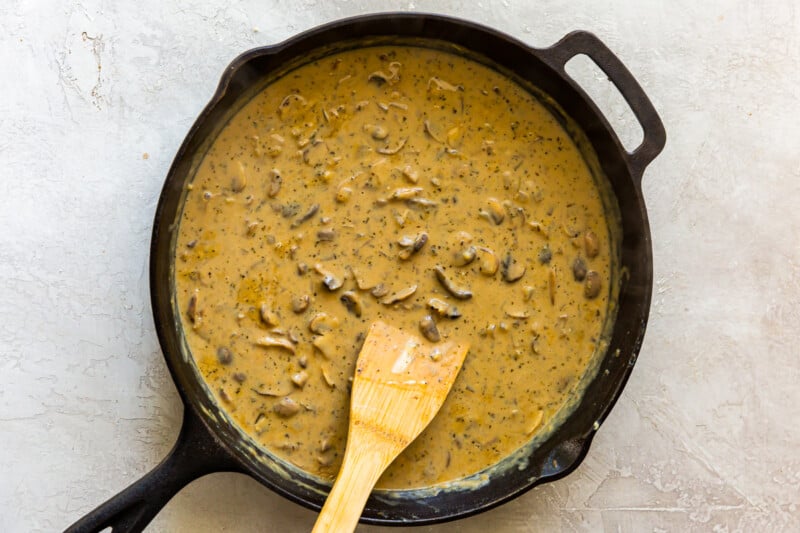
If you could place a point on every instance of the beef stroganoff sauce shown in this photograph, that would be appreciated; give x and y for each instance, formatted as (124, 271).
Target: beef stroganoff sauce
(409, 185)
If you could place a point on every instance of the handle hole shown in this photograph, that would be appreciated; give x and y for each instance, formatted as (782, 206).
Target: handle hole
(608, 98)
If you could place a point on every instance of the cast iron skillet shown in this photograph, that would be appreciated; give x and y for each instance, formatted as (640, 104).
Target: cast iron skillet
(209, 443)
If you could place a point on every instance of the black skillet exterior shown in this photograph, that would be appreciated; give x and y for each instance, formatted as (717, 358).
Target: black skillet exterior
(207, 444)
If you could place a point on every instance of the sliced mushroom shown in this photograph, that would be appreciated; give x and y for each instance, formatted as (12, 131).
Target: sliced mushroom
(462, 293)
(224, 355)
(300, 378)
(325, 445)
(377, 132)
(313, 210)
(270, 341)
(260, 423)
(435, 354)
(420, 241)
(591, 244)
(286, 408)
(239, 178)
(326, 375)
(300, 303)
(495, 211)
(332, 282)
(252, 227)
(289, 446)
(279, 331)
(326, 344)
(290, 209)
(322, 322)
(399, 105)
(489, 262)
(535, 344)
(343, 194)
(569, 231)
(344, 191)
(441, 85)
(379, 77)
(257, 151)
(592, 285)
(191, 309)
(331, 114)
(391, 151)
(465, 257)
(405, 241)
(517, 313)
(267, 315)
(545, 255)
(410, 174)
(527, 293)
(352, 302)
(274, 150)
(539, 228)
(425, 203)
(429, 131)
(361, 283)
(462, 237)
(511, 269)
(224, 395)
(287, 102)
(400, 295)
(275, 182)
(443, 308)
(454, 136)
(579, 269)
(412, 246)
(326, 235)
(405, 193)
(380, 290)
(271, 393)
(534, 422)
(329, 279)
(429, 330)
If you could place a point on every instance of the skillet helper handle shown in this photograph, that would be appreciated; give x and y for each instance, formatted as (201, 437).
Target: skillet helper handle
(581, 42)
(194, 455)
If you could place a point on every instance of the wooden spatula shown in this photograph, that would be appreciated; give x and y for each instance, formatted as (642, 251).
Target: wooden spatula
(400, 383)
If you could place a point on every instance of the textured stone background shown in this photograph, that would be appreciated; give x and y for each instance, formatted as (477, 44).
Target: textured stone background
(95, 98)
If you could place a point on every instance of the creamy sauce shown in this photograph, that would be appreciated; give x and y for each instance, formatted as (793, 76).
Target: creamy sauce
(405, 184)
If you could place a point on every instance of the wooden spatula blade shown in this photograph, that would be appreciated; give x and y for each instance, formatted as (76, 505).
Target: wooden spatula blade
(401, 381)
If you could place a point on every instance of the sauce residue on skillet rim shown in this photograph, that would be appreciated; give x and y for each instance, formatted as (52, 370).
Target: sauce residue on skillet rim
(410, 185)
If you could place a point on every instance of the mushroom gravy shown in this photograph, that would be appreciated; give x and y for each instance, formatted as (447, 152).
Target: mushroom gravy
(409, 185)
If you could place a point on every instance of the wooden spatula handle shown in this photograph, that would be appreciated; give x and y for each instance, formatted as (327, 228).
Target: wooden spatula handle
(399, 385)
(361, 468)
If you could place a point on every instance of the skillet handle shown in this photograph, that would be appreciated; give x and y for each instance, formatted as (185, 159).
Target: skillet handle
(195, 454)
(581, 42)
